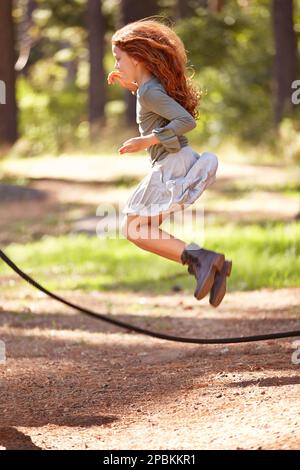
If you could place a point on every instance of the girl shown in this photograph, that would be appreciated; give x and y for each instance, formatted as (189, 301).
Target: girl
(150, 61)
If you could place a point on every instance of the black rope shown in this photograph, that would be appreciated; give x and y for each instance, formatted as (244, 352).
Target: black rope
(99, 316)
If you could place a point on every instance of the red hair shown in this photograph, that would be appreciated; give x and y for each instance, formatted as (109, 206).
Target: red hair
(163, 54)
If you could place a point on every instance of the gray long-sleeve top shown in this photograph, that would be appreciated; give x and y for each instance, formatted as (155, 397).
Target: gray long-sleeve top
(157, 112)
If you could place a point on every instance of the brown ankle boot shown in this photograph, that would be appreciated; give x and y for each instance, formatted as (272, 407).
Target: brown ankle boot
(218, 289)
(203, 264)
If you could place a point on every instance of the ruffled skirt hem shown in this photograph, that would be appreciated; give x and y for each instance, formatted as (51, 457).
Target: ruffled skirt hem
(173, 183)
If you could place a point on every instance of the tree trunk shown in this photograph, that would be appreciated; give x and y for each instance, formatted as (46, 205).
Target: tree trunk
(71, 66)
(132, 10)
(183, 9)
(8, 106)
(97, 78)
(285, 63)
(216, 6)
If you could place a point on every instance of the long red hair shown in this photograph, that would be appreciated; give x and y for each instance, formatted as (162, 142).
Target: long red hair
(163, 54)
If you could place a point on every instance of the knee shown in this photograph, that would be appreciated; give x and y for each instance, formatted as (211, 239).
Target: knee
(213, 162)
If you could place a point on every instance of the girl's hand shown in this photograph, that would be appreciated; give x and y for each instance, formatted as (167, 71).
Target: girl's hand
(116, 77)
(135, 144)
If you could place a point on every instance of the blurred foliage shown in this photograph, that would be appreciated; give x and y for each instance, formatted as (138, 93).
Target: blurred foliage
(51, 121)
(231, 53)
(86, 263)
(289, 141)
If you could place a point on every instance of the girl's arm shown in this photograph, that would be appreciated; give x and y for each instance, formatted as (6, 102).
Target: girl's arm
(139, 143)
(181, 121)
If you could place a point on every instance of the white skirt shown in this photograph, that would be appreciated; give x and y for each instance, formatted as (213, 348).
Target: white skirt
(178, 179)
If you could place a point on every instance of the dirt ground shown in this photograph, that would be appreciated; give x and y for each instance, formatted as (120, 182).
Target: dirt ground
(72, 382)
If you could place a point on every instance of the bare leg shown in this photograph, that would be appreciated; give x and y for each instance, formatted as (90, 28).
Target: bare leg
(146, 234)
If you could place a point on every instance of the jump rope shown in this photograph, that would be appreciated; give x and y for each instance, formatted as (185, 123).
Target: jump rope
(143, 331)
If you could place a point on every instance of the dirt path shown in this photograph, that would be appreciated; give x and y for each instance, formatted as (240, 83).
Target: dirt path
(71, 382)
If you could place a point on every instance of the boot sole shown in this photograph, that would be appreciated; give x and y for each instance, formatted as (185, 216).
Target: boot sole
(221, 292)
(216, 265)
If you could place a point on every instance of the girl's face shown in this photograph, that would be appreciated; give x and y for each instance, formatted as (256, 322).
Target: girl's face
(124, 64)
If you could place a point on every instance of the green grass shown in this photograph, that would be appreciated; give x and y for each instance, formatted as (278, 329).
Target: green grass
(263, 256)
